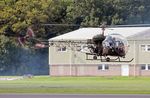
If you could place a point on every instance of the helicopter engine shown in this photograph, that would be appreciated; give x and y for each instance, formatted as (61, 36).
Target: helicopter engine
(97, 41)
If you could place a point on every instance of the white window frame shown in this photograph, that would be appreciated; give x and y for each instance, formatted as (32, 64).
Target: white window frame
(60, 49)
(103, 67)
(146, 48)
(146, 66)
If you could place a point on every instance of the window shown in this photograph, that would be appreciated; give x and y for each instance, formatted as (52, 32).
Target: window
(100, 67)
(148, 47)
(149, 67)
(103, 67)
(145, 47)
(106, 67)
(145, 67)
(62, 49)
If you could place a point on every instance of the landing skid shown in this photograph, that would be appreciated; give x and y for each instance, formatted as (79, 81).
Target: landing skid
(107, 59)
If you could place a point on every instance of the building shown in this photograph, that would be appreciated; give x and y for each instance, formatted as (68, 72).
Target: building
(63, 61)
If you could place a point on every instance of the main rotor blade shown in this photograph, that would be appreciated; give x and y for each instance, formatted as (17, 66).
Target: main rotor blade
(100, 26)
(73, 25)
(61, 25)
(131, 25)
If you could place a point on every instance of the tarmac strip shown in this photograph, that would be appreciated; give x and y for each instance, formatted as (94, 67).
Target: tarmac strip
(73, 96)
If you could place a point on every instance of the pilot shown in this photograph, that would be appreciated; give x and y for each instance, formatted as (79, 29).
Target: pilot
(109, 42)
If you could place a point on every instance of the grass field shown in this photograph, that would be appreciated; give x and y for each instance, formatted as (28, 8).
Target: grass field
(77, 85)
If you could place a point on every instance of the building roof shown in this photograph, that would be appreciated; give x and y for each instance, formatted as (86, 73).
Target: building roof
(144, 35)
(88, 33)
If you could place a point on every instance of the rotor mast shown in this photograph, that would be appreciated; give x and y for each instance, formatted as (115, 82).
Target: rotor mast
(103, 26)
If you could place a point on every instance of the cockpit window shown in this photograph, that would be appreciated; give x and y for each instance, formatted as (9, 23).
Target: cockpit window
(115, 39)
(116, 44)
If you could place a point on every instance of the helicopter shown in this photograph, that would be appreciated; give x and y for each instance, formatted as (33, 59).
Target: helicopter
(114, 45)
(106, 48)
(101, 45)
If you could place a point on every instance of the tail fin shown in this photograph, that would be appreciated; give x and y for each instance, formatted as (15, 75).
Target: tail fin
(21, 41)
(23, 38)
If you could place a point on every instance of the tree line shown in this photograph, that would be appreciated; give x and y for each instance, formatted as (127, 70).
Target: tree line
(20, 14)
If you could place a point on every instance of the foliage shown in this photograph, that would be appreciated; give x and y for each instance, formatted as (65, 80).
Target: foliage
(20, 14)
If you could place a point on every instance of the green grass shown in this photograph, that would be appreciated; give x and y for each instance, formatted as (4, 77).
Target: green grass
(78, 85)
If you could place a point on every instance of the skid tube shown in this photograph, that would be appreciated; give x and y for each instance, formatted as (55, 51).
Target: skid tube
(107, 59)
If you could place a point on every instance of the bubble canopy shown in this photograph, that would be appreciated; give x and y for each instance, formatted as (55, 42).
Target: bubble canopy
(116, 41)
(117, 38)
